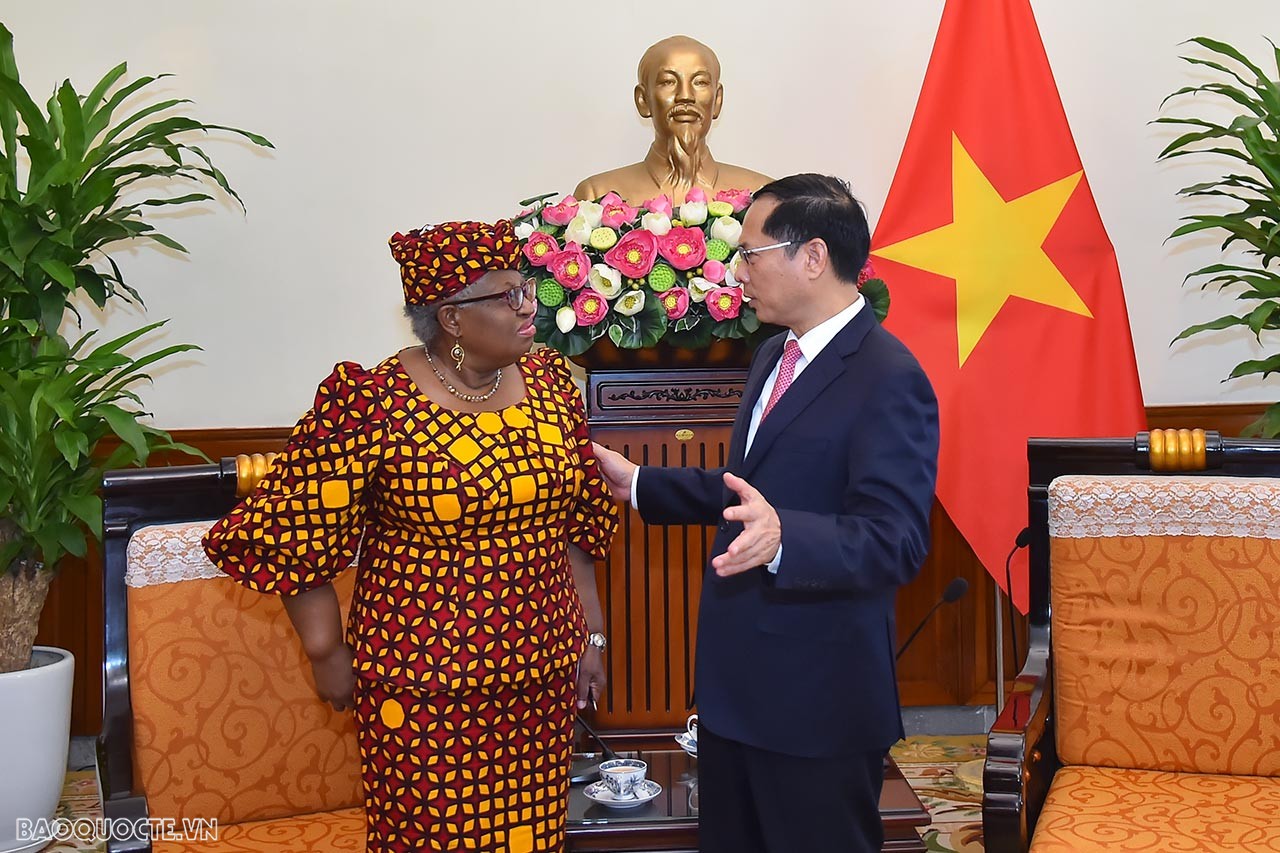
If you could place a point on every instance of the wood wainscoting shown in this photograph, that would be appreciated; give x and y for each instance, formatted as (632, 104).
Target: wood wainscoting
(651, 611)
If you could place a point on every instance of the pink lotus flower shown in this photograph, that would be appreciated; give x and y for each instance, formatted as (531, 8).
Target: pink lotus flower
(540, 248)
(714, 271)
(740, 199)
(661, 204)
(561, 213)
(724, 303)
(616, 211)
(675, 302)
(634, 254)
(590, 307)
(696, 195)
(570, 267)
(684, 248)
(868, 272)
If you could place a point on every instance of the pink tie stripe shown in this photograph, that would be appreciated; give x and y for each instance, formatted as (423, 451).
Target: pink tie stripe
(786, 372)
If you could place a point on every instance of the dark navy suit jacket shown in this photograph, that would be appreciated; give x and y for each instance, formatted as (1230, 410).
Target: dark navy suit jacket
(801, 662)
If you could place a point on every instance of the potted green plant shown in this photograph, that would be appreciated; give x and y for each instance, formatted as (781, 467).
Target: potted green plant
(76, 178)
(1250, 146)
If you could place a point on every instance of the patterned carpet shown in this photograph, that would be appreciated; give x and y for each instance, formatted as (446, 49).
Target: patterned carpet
(945, 771)
(79, 802)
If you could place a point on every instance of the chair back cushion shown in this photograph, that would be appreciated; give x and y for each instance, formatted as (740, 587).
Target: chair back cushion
(1165, 622)
(227, 723)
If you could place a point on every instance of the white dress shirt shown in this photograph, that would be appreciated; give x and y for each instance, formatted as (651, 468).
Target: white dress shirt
(811, 344)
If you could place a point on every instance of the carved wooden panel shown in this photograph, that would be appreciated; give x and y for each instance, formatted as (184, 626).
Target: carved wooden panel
(650, 585)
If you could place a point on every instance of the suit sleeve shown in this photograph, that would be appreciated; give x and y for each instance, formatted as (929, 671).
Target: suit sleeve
(880, 536)
(680, 495)
(695, 495)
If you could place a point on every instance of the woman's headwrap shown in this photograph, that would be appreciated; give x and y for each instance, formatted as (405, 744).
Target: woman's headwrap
(438, 261)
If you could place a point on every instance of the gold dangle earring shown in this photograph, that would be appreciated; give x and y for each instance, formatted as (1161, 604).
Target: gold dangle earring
(458, 354)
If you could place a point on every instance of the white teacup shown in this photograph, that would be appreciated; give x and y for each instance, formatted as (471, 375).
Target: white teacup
(691, 726)
(622, 775)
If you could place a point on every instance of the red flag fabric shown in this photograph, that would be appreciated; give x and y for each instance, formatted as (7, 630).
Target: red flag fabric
(1004, 282)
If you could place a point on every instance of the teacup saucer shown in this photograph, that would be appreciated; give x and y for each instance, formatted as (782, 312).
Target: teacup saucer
(688, 743)
(598, 792)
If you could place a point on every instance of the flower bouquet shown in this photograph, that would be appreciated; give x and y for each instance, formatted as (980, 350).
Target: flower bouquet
(638, 275)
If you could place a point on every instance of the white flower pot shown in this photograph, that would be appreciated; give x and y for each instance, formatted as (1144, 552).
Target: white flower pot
(35, 709)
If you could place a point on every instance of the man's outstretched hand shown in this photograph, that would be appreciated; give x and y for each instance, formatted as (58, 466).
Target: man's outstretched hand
(617, 469)
(761, 534)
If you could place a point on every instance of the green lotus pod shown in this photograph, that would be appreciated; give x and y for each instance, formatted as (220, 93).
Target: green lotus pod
(550, 293)
(661, 278)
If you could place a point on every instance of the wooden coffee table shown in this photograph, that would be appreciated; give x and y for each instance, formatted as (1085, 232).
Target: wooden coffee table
(670, 821)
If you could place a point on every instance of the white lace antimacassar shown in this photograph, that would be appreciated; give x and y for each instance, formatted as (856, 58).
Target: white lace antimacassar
(169, 553)
(1087, 506)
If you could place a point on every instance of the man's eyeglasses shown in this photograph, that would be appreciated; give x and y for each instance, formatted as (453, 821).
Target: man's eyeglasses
(515, 296)
(747, 253)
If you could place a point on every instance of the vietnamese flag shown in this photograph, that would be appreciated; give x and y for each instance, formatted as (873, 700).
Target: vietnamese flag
(1004, 282)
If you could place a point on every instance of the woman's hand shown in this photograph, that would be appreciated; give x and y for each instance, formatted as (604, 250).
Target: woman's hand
(591, 678)
(335, 676)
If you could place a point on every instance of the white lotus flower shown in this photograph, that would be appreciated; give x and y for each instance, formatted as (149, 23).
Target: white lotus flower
(566, 320)
(605, 279)
(630, 303)
(728, 229)
(591, 212)
(656, 224)
(693, 212)
(578, 230)
(699, 287)
(524, 229)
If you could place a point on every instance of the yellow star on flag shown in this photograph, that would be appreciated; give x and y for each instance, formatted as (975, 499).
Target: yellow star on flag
(992, 249)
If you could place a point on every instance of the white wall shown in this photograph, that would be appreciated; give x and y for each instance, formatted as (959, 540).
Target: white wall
(390, 114)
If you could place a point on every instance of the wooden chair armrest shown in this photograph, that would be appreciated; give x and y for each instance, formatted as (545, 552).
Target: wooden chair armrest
(121, 813)
(1021, 755)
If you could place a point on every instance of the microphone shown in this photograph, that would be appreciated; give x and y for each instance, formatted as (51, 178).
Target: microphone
(1022, 540)
(953, 593)
(585, 769)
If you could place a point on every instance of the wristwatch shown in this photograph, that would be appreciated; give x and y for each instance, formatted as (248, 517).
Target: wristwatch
(596, 639)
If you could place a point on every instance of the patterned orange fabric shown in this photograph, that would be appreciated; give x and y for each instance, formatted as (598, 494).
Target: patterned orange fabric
(1166, 652)
(1107, 809)
(479, 770)
(464, 574)
(332, 832)
(226, 720)
(436, 262)
(464, 590)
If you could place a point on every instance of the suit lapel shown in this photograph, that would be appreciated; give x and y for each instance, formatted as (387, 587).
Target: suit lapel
(763, 365)
(824, 370)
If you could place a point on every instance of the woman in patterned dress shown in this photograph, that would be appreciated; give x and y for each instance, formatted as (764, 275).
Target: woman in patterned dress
(459, 477)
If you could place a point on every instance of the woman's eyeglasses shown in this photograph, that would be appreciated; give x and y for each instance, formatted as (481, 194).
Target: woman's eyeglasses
(515, 296)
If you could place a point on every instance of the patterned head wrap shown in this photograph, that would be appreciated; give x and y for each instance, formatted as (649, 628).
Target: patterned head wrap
(438, 261)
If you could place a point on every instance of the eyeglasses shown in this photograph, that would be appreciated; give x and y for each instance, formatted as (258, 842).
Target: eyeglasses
(515, 296)
(747, 253)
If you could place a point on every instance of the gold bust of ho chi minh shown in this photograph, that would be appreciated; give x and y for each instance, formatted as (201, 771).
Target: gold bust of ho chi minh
(679, 90)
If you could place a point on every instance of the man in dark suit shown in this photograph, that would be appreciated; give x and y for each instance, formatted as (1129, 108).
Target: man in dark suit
(823, 512)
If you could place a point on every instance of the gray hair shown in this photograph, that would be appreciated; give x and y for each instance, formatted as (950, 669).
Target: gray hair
(425, 320)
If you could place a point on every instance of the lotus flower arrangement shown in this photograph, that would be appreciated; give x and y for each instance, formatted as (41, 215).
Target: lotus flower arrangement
(640, 276)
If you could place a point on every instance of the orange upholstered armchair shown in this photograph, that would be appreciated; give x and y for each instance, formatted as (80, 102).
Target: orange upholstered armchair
(210, 713)
(1147, 716)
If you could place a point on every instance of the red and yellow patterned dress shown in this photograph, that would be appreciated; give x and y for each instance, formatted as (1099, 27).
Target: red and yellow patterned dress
(465, 622)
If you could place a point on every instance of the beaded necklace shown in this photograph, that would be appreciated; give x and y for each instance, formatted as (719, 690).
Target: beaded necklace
(470, 398)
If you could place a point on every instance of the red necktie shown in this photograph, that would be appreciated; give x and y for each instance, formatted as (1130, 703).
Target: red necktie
(786, 372)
